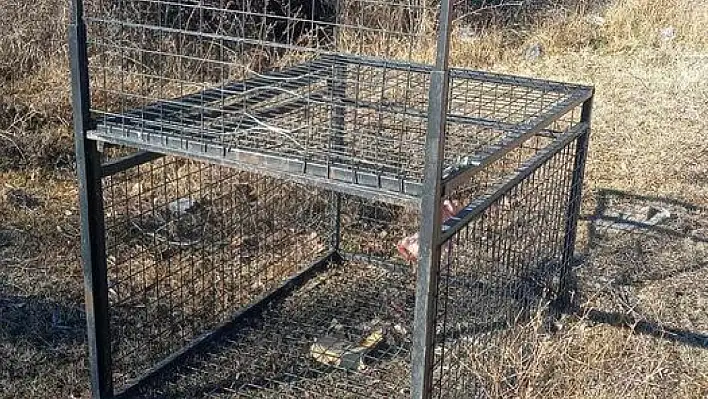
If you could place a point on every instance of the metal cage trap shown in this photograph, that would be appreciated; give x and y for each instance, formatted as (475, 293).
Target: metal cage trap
(308, 200)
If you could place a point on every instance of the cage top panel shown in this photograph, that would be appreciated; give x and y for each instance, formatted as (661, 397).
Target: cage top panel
(349, 123)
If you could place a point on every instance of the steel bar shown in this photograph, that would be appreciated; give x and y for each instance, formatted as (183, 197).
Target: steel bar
(121, 164)
(93, 248)
(431, 214)
(573, 211)
(337, 178)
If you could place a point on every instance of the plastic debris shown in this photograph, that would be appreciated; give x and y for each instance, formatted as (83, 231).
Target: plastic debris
(344, 354)
(181, 206)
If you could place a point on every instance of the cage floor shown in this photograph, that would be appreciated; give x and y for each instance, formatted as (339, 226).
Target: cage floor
(350, 124)
(274, 357)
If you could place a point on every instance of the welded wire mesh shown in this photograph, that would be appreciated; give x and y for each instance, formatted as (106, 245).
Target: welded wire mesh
(189, 244)
(277, 355)
(312, 343)
(335, 91)
(498, 275)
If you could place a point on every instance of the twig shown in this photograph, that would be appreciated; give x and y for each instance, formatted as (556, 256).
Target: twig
(3, 136)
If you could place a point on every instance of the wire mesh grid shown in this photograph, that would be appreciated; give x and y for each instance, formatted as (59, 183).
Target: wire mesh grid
(346, 333)
(310, 344)
(189, 244)
(330, 91)
(499, 274)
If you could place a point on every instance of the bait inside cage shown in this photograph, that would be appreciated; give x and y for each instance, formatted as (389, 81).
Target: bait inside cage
(305, 199)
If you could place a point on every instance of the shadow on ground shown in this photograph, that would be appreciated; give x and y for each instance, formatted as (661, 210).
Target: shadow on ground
(46, 325)
(644, 258)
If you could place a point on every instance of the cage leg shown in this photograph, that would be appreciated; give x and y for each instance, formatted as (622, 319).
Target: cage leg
(93, 246)
(337, 87)
(424, 322)
(337, 225)
(566, 289)
(429, 241)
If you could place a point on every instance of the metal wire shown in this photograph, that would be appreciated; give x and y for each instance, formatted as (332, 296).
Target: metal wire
(499, 274)
(189, 244)
(333, 90)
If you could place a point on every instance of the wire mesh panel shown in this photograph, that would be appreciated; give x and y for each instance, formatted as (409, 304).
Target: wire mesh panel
(330, 339)
(346, 333)
(334, 93)
(190, 244)
(500, 270)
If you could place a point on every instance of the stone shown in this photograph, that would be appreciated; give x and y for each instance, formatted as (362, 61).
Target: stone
(533, 52)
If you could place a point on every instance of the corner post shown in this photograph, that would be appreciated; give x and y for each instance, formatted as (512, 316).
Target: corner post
(565, 294)
(93, 248)
(337, 87)
(431, 215)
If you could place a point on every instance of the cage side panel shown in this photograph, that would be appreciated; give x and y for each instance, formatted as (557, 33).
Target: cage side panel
(190, 244)
(332, 338)
(498, 275)
(344, 334)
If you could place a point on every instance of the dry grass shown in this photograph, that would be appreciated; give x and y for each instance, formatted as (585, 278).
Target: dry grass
(649, 140)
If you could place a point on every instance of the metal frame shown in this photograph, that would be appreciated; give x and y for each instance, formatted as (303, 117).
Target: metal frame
(431, 217)
(426, 196)
(565, 294)
(93, 246)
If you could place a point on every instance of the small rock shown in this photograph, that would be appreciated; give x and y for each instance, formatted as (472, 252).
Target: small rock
(596, 20)
(533, 52)
(113, 295)
(400, 330)
(257, 286)
(656, 215)
(371, 325)
(336, 325)
(467, 34)
(667, 34)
